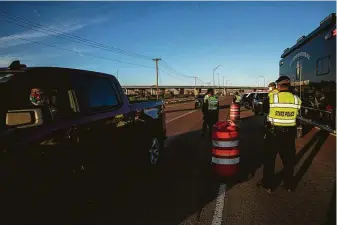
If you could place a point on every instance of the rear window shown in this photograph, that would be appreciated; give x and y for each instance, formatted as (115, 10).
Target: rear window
(35, 89)
(25, 89)
(261, 95)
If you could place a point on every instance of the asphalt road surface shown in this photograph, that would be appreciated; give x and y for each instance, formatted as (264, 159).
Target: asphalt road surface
(182, 190)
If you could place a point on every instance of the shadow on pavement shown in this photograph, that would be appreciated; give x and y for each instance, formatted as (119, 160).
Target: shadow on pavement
(320, 139)
(332, 207)
(224, 106)
(168, 194)
(314, 145)
(251, 149)
(180, 188)
(306, 128)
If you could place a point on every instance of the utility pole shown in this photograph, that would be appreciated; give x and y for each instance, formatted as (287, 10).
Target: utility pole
(195, 84)
(157, 74)
(117, 75)
(264, 81)
(223, 85)
(213, 74)
(218, 81)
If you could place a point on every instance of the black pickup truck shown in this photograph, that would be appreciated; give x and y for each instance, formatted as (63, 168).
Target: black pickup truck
(62, 124)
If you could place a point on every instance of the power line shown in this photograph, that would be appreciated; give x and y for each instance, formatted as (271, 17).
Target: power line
(87, 54)
(164, 64)
(172, 74)
(64, 35)
(52, 31)
(186, 77)
(175, 77)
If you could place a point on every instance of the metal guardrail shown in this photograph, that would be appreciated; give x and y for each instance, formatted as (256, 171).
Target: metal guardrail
(320, 110)
(326, 128)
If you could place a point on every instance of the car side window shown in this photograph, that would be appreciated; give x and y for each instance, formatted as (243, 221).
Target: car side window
(95, 93)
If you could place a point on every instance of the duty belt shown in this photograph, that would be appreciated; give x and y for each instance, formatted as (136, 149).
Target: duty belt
(273, 128)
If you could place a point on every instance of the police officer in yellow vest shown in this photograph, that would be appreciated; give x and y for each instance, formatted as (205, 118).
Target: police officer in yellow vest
(210, 111)
(281, 134)
(272, 91)
(236, 98)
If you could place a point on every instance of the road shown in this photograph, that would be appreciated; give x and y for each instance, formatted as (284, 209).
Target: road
(182, 191)
(186, 193)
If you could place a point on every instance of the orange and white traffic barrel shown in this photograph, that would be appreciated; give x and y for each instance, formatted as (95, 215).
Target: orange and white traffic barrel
(234, 112)
(225, 149)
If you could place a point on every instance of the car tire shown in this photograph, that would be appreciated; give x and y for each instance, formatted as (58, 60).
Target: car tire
(246, 105)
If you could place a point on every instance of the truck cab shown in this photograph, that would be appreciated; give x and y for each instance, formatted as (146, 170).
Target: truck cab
(67, 126)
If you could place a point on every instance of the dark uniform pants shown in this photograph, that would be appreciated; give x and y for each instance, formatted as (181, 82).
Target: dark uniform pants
(279, 140)
(209, 120)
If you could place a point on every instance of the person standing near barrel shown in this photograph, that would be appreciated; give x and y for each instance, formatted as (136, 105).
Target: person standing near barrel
(237, 98)
(272, 90)
(210, 110)
(280, 135)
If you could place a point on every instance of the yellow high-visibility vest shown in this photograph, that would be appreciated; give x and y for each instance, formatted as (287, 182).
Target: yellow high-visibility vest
(284, 107)
(205, 98)
(237, 98)
(213, 103)
(271, 93)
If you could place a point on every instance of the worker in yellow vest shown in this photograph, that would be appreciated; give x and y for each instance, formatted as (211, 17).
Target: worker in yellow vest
(281, 134)
(272, 90)
(237, 98)
(210, 109)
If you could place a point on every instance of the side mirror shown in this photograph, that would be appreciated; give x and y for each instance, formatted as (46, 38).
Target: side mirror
(24, 118)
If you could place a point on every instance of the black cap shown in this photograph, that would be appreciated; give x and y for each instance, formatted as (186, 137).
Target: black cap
(272, 84)
(282, 79)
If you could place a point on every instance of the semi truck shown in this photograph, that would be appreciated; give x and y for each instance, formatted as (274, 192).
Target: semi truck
(311, 66)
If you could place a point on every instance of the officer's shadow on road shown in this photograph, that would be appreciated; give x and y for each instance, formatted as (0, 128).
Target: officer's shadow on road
(251, 149)
(332, 207)
(224, 106)
(181, 187)
(314, 145)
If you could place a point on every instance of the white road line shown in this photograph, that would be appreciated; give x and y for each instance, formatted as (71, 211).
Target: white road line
(181, 116)
(220, 201)
(170, 106)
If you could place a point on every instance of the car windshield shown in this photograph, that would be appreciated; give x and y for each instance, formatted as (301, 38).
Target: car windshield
(261, 96)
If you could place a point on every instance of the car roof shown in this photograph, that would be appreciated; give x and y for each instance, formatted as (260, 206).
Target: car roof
(51, 70)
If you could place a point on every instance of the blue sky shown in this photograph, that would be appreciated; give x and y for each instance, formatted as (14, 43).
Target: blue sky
(246, 38)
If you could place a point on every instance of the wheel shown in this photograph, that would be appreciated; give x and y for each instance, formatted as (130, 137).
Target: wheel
(246, 105)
